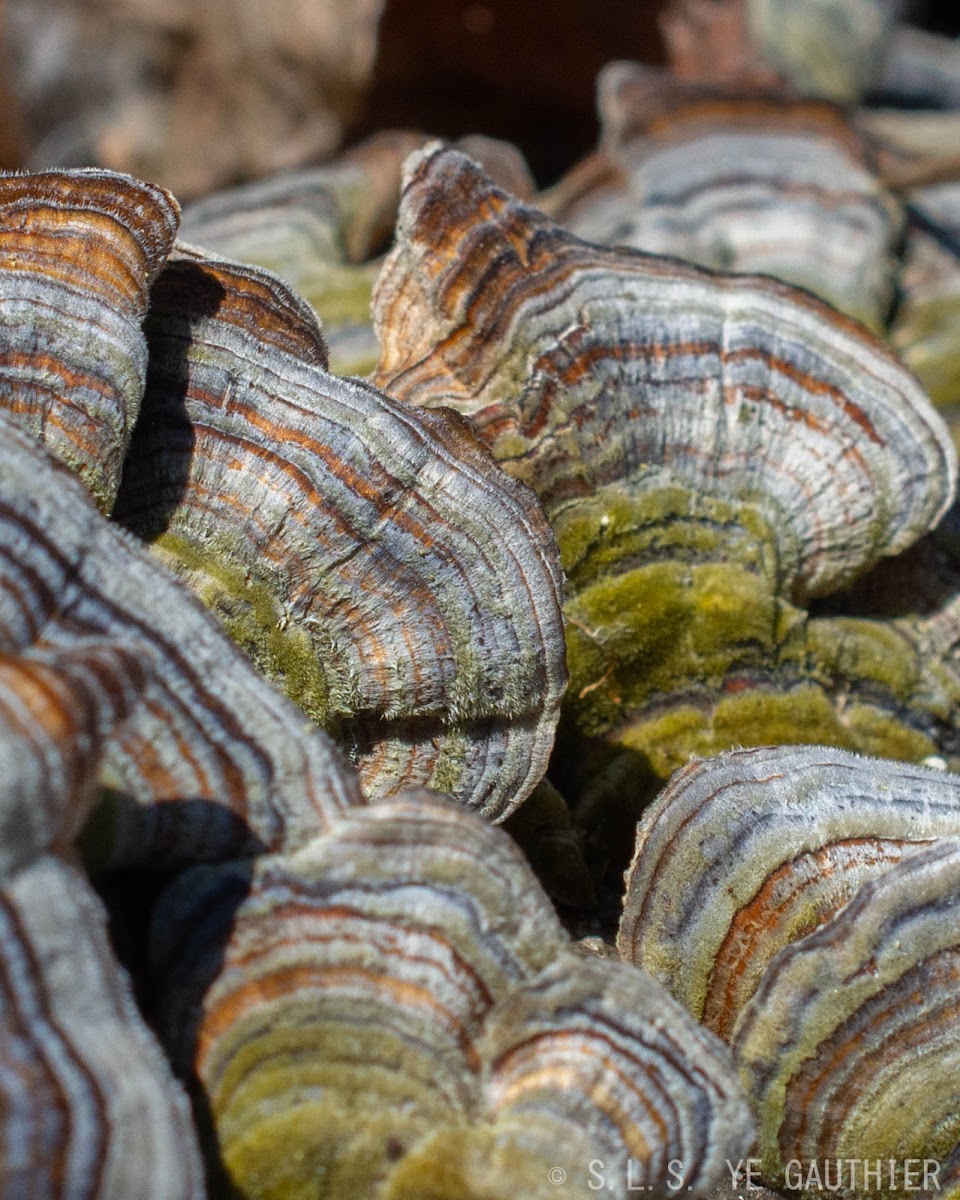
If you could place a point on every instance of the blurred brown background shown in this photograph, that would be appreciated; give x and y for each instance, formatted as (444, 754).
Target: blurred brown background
(200, 93)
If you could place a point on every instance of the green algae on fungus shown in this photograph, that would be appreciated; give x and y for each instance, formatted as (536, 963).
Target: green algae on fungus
(373, 559)
(714, 452)
(743, 389)
(395, 1011)
(854, 683)
(254, 617)
(655, 517)
(898, 631)
(762, 716)
(659, 628)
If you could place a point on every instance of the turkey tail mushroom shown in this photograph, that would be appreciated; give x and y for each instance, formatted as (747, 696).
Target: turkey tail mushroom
(399, 1002)
(211, 761)
(802, 903)
(89, 1109)
(713, 451)
(741, 181)
(78, 252)
(373, 559)
(316, 228)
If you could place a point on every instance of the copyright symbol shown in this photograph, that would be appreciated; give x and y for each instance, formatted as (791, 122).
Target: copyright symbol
(557, 1175)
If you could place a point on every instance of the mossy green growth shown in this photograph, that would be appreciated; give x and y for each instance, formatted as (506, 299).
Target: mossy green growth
(630, 524)
(667, 590)
(877, 673)
(680, 642)
(762, 716)
(665, 627)
(622, 772)
(448, 772)
(856, 653)
(322, 1107)
(254, 618)
(757, 716)
(440, 1170)
(317, 1150)
(882, 735)
(927, 334)
(485, 1162)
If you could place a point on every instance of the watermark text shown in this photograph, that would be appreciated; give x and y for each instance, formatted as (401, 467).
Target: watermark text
(861, 1175)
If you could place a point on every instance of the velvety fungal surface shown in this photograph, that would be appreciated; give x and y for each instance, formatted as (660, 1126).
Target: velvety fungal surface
(740, 180)
(801, 903)
(211, 760)
(89, 1108)
(317, 229)
(87, 244)
(372, 559)
(713, 451)
(397, 1000)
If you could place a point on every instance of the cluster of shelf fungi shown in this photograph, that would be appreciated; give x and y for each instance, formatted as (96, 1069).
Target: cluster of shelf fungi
(583, 512)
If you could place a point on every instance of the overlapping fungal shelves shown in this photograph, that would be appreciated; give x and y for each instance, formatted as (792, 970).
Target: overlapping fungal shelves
(318, 229)
(914, 600)
(211, 760)
(90, 1107)
(373, 559)
(712, 452)
(390, 1006)
(324, 229)
(801, 902)
(398, 1002)
(392, 968)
